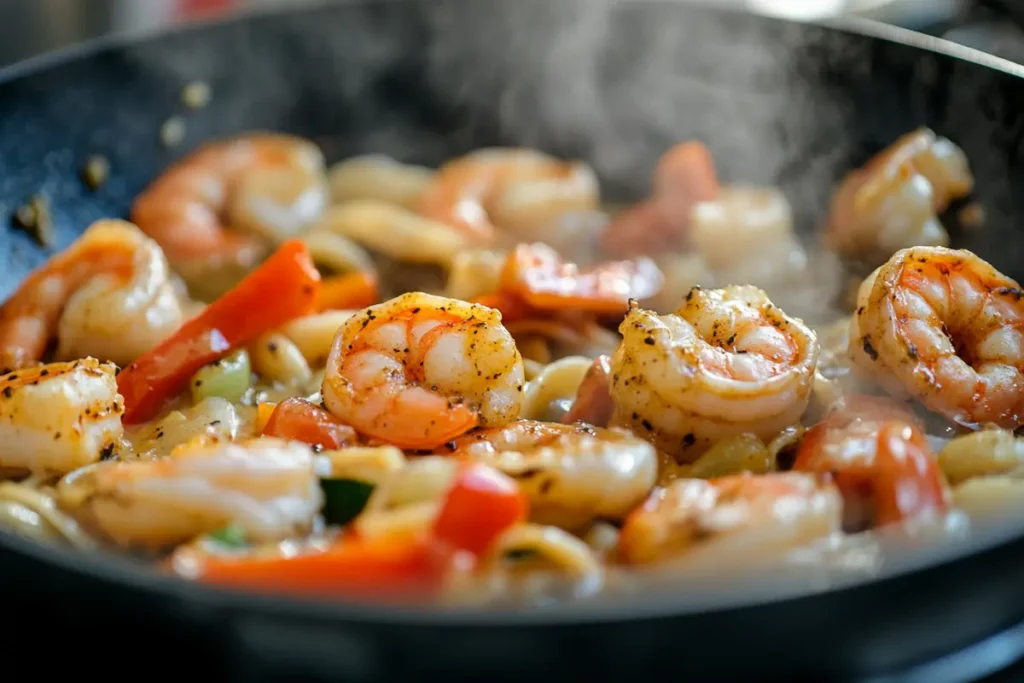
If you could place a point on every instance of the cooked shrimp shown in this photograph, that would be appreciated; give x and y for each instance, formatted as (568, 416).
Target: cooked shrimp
(892, 202)
(684, 177)
(947, 328)
(378, 177)
(738, 222)
(58, 417)
(107, 295)
(879, 459)
(727, 362)
(573, 474)
(419, 370)
(269, 184)
(265, 487)
(730, 522)
(514, 189)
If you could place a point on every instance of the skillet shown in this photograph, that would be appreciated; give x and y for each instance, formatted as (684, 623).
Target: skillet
(615, 82)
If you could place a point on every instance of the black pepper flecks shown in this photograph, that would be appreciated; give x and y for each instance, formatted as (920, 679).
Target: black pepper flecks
(868, 348)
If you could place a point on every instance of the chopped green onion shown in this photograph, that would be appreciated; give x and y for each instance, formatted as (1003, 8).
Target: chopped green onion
(344, 499)
(229, 378)
(230, 537)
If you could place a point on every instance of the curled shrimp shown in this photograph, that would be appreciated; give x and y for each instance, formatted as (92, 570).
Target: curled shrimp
(726, 362)
(265, 487)
(893, 201)
(732, 521)
(880, 460)
(217, 207)
(573, 474)
(516, 189)
(420, 370)
(947, 328)
(108, 295)
(58, 417)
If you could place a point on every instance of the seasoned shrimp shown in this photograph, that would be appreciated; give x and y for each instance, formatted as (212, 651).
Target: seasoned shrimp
(108, 295)
(727, 362)
(419, 370)
(892, 202)
(947, 328)
(514, 189)
(731, 522)
(265, 183)
(573, 474)
(265, 487)
(58, 417)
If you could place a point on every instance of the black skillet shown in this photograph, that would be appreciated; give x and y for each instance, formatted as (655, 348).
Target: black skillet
(615, 83)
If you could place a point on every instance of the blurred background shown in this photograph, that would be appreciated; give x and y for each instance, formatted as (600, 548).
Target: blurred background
(32, 27)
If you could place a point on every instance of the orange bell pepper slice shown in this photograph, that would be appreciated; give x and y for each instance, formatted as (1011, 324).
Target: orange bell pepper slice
(345, 292)
(537, 275)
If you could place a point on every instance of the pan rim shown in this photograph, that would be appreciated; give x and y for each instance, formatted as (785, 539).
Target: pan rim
(127, 574)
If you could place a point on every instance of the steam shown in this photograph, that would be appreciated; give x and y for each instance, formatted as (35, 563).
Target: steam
(618, 82)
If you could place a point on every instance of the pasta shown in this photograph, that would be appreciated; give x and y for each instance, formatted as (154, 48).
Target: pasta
(565, 396)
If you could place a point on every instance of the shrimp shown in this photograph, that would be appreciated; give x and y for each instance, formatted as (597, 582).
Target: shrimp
(58, 417)
(573, 474)
(739, 222)
(265, 487)
(879, 459)
(265, 183)
(732, 521)
(726, 362)
(947, 328)
(893, 202)
(684, 177)
(419, 370)
(516, 189)
(107, 295)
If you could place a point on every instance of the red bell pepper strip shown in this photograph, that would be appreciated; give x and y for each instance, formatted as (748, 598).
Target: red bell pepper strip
(874, 451)
(356, 567)
(282, 288)
(908, 481)
(479, 507)
(299, 420)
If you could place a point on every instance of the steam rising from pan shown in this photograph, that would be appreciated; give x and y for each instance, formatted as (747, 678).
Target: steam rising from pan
(619, 81)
